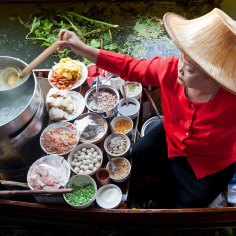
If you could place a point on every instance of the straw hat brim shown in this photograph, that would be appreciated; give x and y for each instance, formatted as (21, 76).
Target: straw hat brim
(210, 43)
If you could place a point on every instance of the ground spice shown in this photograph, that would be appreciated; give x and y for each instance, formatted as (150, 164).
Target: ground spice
(122, 127)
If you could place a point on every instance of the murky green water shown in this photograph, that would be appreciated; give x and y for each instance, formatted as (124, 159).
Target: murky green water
(125, 14)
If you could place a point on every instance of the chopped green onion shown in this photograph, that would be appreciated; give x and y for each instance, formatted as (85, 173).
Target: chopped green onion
(81, 195)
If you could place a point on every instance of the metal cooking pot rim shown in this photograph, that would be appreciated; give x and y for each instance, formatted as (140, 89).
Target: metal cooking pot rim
(20, 67)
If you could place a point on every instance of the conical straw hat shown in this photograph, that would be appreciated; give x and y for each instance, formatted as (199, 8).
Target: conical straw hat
(210, 43)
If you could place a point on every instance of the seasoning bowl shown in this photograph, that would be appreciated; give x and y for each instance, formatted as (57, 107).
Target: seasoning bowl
(85, 158)
(123, 169)
(117, 145)
(132, 89)
(109, 196)
(107, 101)
(122, 125)
(132, 110)
(59, 138)
(84, 193)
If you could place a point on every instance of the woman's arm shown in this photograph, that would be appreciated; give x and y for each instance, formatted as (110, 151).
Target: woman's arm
(69, 39)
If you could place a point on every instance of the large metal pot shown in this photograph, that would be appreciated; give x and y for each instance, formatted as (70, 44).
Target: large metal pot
(18, 105)
(18, 153)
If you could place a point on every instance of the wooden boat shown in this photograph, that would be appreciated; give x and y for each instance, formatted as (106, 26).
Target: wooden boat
(28, 211)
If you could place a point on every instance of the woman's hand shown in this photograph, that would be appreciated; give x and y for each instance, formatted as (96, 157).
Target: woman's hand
(69, 39)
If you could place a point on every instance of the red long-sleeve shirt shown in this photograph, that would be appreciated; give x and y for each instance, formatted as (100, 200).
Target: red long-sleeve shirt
(203, 132)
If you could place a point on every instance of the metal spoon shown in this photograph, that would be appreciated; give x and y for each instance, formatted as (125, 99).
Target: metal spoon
(12, 75)
(108, 79)
(114, 168)
(125, 96)
(97, 89)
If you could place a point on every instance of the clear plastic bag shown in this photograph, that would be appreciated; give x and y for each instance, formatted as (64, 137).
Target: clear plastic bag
(89, 127)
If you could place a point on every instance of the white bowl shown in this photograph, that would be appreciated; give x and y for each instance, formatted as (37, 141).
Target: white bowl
(109, 196)
(121, 125)
(60, 113)
(114, 141)
(85, 158)
(78, 83)
(123, 169)
(55, 138)
(133, 89)
(48, 172)
(132, 110)
(81, 181)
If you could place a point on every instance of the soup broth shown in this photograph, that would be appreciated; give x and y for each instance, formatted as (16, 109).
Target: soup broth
(128, 110)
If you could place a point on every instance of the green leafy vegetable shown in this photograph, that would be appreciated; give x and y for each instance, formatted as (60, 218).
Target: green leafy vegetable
(46, 25)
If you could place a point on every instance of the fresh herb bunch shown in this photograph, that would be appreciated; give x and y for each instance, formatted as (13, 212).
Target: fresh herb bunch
(46, 25)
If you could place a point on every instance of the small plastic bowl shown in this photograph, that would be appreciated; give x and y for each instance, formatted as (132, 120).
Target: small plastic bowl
(84, 187)
(133, 89)
(114, 141)
(132, 110)
(109, 196)
(123, 169)
(86, 158)
(121, 125)
(59, 138)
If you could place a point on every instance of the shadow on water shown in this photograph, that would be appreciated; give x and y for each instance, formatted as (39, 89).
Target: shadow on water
(140, 36)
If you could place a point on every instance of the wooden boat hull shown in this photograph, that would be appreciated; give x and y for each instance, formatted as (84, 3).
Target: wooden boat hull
(117, 218)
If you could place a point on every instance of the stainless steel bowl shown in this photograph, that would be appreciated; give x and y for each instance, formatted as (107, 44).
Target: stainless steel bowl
(18, 105)
(107, 111)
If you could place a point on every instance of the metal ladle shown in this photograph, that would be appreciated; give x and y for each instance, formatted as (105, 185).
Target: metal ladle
(11, 75)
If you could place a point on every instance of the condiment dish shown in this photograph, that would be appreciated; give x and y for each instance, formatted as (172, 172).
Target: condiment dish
(85, 158)
(132, 89)
(121, 125)
(132, 110)
(123, 169)
(84, 193)
(117, 145)
(109, 196)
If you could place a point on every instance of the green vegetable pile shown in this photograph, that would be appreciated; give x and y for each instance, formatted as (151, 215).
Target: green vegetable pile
(80, 195)
(46, 25)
